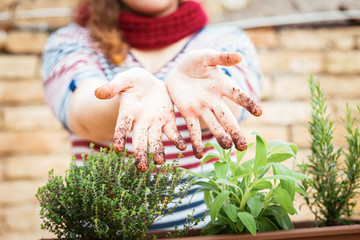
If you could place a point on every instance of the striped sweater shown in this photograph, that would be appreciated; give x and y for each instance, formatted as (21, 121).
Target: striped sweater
(69, 58)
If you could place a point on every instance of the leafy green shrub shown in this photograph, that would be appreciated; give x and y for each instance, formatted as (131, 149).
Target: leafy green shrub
(242, 198)
(336, 172)
(108, 198)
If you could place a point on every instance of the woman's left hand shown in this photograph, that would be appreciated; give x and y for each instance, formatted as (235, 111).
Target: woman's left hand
(197, 87)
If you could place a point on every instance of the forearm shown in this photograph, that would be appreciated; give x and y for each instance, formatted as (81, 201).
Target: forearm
(91, 117)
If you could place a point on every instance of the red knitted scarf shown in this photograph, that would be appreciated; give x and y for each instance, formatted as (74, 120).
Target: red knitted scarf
(156, 32)
(149, 32)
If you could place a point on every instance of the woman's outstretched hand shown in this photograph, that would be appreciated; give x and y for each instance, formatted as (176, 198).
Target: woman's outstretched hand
(197, 87)
(147, 110)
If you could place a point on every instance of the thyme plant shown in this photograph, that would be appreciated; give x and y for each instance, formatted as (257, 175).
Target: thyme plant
(108, 198)
(335, 172)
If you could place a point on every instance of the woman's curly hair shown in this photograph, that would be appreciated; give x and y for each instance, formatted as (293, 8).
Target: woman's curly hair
(101, 18)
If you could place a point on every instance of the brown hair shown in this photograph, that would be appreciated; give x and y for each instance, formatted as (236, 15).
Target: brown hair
(101, 18)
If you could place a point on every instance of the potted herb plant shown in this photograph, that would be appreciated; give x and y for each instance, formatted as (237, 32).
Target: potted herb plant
(336, 172)
(254, 195)
(238, 204)
(107, 198)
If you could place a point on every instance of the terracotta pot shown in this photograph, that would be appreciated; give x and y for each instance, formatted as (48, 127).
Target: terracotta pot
(302, 231)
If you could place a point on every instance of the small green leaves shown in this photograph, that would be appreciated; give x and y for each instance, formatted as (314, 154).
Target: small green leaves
(107, 197)
(335, 171)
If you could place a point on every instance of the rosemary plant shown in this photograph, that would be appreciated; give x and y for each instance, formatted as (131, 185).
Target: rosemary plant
(335, 172)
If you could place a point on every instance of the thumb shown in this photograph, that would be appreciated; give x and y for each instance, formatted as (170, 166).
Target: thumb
(196, 61)
(223, 58)
(120, 83)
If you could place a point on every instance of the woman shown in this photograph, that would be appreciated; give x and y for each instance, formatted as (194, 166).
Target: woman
(117, 70)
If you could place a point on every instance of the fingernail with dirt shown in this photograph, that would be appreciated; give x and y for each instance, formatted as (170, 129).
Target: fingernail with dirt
(159, 158)
(239, 141)
(141, 162)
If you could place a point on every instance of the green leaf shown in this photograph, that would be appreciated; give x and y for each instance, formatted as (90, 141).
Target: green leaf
(218, 202)
(285, 200)
(281, 217)
(248, 220)
(285, 177)
(260, 155)
(300, 176)
(240, 174)
(208, 185)
(240, 226)
(208, 158)
(288, 185)
(208, 199)
(200, 175)
(262, 184)
(226, 182)
(300, 191)
(233, 168)
(280, 151)
(240, 154)
(212, 229)
(255, 205)
(261, 170)
(214, 145)
(231, 212)
(265, 224)
(247, 164)
(221, 169)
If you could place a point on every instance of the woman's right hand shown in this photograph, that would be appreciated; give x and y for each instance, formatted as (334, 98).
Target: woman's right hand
(147, 110)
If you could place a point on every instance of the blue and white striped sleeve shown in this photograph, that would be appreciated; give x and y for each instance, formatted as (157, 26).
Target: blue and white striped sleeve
(67, 61)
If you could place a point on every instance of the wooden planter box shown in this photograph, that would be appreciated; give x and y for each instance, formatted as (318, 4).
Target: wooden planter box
(302, 231)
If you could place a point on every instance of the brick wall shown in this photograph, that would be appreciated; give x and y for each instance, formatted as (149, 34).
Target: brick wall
(33, 142)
